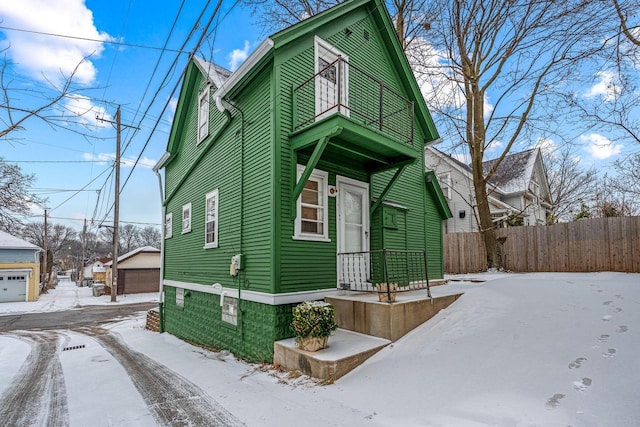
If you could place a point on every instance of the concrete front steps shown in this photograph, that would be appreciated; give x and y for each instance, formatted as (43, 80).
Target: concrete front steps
(366, 326)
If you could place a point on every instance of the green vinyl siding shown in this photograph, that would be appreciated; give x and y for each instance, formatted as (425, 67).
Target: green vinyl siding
(238, 165)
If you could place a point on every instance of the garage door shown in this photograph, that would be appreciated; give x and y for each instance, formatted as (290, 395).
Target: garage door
(13, 287)
(133, 281)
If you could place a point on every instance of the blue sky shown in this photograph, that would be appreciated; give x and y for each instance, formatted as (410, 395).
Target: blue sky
(114, 75)
(118, 74)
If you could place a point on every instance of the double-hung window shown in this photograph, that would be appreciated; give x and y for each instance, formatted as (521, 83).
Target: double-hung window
(203, 114)
(186, 218)
(211, 220)
(168, 225)
(312, 212)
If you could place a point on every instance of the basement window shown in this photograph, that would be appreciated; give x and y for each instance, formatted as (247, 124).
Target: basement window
(230, 310)
(179, 297)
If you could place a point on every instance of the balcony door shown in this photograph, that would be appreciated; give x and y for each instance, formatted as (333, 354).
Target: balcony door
(332, 80)
(352, 212)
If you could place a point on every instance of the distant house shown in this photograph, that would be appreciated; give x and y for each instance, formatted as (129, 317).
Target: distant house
(285, 176)
(518, 190)
(19, 269)
(96, 270)
(138, 271)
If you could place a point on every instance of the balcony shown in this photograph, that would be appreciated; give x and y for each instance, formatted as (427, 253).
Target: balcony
(365, 121)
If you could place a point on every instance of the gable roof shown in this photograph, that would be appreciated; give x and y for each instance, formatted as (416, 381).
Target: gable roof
(144, 249)
(514, 172)
(8, 241)
(215, 73)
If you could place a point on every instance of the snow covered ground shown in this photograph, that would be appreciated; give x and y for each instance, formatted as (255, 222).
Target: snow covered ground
(68, 296)
(544, 349)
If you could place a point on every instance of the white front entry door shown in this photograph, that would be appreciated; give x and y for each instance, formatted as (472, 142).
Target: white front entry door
(352, 209)
(331, 85)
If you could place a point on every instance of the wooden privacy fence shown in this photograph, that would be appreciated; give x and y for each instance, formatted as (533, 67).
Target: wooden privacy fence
(601, 244)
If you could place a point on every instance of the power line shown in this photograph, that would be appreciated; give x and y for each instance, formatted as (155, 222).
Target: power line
(117, 43)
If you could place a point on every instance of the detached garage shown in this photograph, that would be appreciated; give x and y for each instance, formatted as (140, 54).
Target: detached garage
(19, 269)
(138, 271)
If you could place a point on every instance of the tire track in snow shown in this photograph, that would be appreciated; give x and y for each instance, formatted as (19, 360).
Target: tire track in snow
(171, 398)
(37, 396)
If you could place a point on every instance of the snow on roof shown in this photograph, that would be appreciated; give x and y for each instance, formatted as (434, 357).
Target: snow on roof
(145, 249)
(217, 74)
(514, 172)
(7, 241)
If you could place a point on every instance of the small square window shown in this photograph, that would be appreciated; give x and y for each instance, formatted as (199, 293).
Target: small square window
(168, 225)
(186, 218)
(230, 310)
(445, 184)
(179, 297)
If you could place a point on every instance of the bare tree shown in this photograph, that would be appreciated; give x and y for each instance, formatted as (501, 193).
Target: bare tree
(150, 236)
(17, 101)
(128, 235)
(569, 183)
(625, 12)
(15, 198)
(59, 237)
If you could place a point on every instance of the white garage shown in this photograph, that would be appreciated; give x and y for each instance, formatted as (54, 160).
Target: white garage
(13, 285)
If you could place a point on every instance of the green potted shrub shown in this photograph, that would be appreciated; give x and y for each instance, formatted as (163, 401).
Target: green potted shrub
(313, 322)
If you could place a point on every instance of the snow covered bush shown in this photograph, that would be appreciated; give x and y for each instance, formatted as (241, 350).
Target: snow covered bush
(313, 319)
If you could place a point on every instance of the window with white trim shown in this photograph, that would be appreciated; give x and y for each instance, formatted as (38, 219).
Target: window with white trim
(186, 218)
(312, 212)
(211, 220)
(179, 297)
(203, 114)
(444, 180)
(168, 225)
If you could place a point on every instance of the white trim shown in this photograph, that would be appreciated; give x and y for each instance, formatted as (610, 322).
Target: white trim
(244, 68)
(185, 208)
(322, 178)
(214, 244)
(162, 161)
(260, 297)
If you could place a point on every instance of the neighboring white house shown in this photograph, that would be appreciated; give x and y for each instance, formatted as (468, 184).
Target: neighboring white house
(518, 190)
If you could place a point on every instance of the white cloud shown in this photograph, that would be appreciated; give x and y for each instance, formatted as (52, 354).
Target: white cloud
(600, 147)
(547, 146)
(606, 87)
(50, 58)
(495, 145)
(125, 162)
(85, 112)
(237, 56)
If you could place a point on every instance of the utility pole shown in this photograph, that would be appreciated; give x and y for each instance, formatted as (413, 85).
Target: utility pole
(44, 261)
(84, 240)
(116, 205)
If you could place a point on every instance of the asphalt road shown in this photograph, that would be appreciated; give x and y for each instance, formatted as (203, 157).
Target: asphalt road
(85, 316)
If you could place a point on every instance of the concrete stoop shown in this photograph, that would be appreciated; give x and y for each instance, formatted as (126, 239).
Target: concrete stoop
(366, 326)
(345, 351)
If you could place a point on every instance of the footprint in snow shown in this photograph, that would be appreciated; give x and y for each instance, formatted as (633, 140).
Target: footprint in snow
(603, 338)
(607, 317)
(554, 401)
(583, 384)
(607, 302)
(622, 328)
(610, 353)
(577, 363)
(618, 310)
(619, 296)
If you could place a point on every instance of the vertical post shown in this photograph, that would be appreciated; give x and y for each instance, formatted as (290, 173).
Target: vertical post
(339, 81)
(44, 260)
(386, 275)
(116, 212)
(426, 274)
(380, 106)
(412, 121)
(81, 263)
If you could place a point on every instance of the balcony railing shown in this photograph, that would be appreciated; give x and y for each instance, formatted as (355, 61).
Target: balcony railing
(341, 87)
(362, 271)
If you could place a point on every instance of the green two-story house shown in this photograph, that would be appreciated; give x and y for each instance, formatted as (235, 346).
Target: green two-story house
(310, 151)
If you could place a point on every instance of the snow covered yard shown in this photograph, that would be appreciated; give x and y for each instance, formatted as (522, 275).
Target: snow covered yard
(543, 349)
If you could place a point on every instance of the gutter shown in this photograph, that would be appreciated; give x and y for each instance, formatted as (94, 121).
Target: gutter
(156, 169)
(255, 57)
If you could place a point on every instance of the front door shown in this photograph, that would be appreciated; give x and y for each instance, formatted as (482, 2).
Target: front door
(352, 209)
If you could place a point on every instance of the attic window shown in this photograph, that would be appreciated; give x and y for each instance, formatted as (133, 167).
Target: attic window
(445, 184)
(203, 114)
